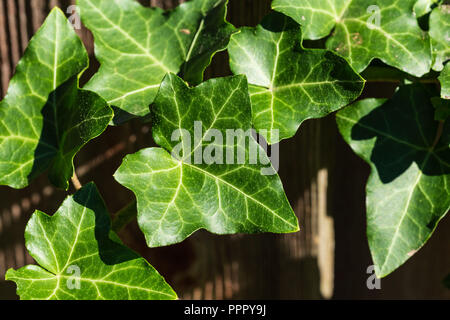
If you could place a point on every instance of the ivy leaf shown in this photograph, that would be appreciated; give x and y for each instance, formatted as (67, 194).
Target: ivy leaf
(422, 7)
(137, 46)
(444, 79)
(408, 189)
(177, 195)
(447, 281)
(364, 30)
(213, 35)
(289, 84)
(81, 259)
(45, 119)
(440, 36)
(442, 107)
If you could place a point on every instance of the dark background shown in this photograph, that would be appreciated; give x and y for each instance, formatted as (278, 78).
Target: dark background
(322, 177)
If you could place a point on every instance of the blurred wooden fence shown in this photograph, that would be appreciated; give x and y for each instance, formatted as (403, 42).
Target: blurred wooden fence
(323, 179)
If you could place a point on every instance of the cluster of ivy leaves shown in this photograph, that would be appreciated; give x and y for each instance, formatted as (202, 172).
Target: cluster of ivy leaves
(152, 63)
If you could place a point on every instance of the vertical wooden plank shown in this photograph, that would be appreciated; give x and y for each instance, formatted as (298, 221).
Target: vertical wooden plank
(13, 33)
(37, 12)
(4, 55)
(23, 21)
(55, 3)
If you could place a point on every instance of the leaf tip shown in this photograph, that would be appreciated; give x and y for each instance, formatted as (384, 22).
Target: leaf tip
(10, 274)
(56, 11)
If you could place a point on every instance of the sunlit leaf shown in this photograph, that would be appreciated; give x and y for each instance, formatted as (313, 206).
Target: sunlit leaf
(444, 79)
(440, 36)
(45, 119)
(137, 46)
(81, 259)
(289, 84)
(362, 30)
(422, 7)
(181, 190)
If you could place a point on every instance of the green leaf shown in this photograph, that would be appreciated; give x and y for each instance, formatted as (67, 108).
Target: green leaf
(81, 259)
(447, 281)
(212, 35)
(137, 46)
(364, 30)
(444, 79)
(422, 7)
(45, 119)
(442, 107)
(440, 36)
(180, 189)
(289, 84)
(408, 190)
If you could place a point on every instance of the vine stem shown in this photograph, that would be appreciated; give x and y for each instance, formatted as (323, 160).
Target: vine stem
(124, 216)
(439, 132)
(76, 182)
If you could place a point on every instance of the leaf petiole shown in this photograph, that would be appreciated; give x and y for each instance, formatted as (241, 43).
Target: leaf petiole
(76, 182)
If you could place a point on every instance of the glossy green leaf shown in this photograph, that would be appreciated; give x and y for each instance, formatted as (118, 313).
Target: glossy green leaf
(364, 30)
(137, 46)
(444, 79)
(408, 191)
(289, 84)
(440, 36)
(81, 259)
(45, 119)
(184, 187)
(422, 7)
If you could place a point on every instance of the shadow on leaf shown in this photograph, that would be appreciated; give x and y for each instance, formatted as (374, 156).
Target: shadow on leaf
(71, 117)
(405, 132)
(110, 247)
